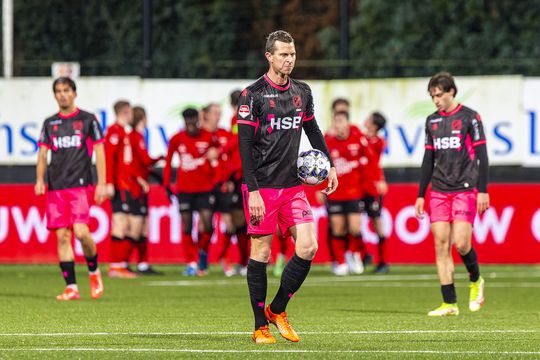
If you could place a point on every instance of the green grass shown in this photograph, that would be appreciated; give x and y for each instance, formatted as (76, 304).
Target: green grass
(362, 316)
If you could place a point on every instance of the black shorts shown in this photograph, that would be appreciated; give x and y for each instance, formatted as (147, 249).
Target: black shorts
(344, 207)
(226, 202)
(372, 205)
(122, 201)
(139, 206)
(196, 201)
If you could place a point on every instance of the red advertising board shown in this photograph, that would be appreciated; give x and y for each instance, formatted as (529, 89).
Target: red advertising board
(509, 232)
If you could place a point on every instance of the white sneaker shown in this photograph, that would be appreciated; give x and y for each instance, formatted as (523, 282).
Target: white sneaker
(341, 270)
(357, 264)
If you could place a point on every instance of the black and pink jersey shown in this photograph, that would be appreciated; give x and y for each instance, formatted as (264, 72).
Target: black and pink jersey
(277, 114)
(453, 137)
(71, 139)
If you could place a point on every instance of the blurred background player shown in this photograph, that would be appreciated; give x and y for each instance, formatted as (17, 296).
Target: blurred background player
(71, 135)
(229, 200)
(374, 184)
(138, 218)
(349, 149)
(119, 157)
(456, 163)
(194, 183)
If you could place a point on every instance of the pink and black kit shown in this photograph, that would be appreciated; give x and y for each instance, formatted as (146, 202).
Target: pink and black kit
(456, 163)
(69, 175)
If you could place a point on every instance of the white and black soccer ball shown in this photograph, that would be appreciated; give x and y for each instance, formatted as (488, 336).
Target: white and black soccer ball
(312, 166)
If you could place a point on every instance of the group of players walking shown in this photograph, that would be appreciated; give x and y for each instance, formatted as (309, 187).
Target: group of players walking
(247, 174)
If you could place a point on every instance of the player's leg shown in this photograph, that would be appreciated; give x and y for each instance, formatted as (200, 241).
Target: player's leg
(242, 239)
(282, 238)
(82, 233)
(120, 246)
(445, 269)
(230, 230)
(204, 203)
(338, 242)
(67, 264)
(354, 220)
(188, 245)
(374, 214)
(134, 228)
(464, 211)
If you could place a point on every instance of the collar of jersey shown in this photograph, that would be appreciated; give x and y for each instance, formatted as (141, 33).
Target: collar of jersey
(442, 113)
(75, 113)
(276, 86)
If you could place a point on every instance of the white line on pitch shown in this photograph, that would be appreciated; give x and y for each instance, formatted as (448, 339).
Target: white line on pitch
(448, 352)
(352, 332)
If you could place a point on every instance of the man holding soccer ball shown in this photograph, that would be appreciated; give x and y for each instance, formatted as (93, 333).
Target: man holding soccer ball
(271, 113)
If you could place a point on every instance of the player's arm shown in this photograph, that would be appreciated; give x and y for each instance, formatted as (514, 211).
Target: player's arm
(426, 171)
(101, 187)
(112, 145)
(249, 110)
(168, 162)
(316, 139)
(41, 166)
(480, 149)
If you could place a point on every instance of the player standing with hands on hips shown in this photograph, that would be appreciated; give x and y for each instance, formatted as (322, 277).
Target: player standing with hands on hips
(271, 113)
(456, 163)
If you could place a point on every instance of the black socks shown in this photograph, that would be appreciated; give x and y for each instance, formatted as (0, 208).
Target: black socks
(257, 284)
(293, 276)
(471, 263)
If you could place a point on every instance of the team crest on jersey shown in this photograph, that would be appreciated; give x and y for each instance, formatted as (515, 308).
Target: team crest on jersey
(77, 125)
(55, 128)
(434, 126)
(244, 93)
(243, 111)
(272, 104)
(456, 125)
(297, 101)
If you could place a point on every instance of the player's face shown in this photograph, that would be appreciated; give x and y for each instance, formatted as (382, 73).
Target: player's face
(283, 58)
(213, 115)
(370, 126)
(341, 126)
(443, 100)
(340, 107)
(64, 95)
(192, 126)
(141, 125)
(126, 113)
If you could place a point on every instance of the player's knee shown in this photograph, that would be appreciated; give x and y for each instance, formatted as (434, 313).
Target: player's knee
(338, 232)
(81, 234)
(462, 248)
(261, 254)
(308, 252)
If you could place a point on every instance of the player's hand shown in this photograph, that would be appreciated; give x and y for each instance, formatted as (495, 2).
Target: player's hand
(419, 207)
(332, 182)
(482, 202)
(256, 207)
(382, 187)
(110, 190)
(101, 193)
(144, 185)
(212, 153)
(39, 188)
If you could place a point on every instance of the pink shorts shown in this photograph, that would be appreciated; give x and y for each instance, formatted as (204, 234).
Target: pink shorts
(449, 207)
(283, 207)
(67, 207)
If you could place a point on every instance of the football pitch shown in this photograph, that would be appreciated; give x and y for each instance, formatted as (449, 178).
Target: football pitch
(361, 316)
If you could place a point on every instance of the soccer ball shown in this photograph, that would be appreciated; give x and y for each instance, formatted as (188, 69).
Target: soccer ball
(312, 166)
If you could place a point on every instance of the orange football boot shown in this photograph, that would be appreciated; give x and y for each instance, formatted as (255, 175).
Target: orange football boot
(282, 323)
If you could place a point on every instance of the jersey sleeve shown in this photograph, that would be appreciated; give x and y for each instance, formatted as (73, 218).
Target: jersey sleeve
(44, 136)
(112, 144)
(476, 131)
(95, 131)
(428, 143)
(168, 161)
(249, 112)
(310, 108)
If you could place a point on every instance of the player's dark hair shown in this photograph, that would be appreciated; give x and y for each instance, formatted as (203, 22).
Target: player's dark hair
(138, 115)
(342, 113)
(190, 113)
(378, 120)
(120, 105)
(279, 35)
(338, 101)
(235, 97)
(443, 80)
(64, 80)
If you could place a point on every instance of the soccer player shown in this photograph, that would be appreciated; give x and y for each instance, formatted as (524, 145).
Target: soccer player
(272, 111)
(119, 156)
(374, 184)
(71, 135)
(138, 218)
(456, 163)
(350, 151)
(197, 148)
